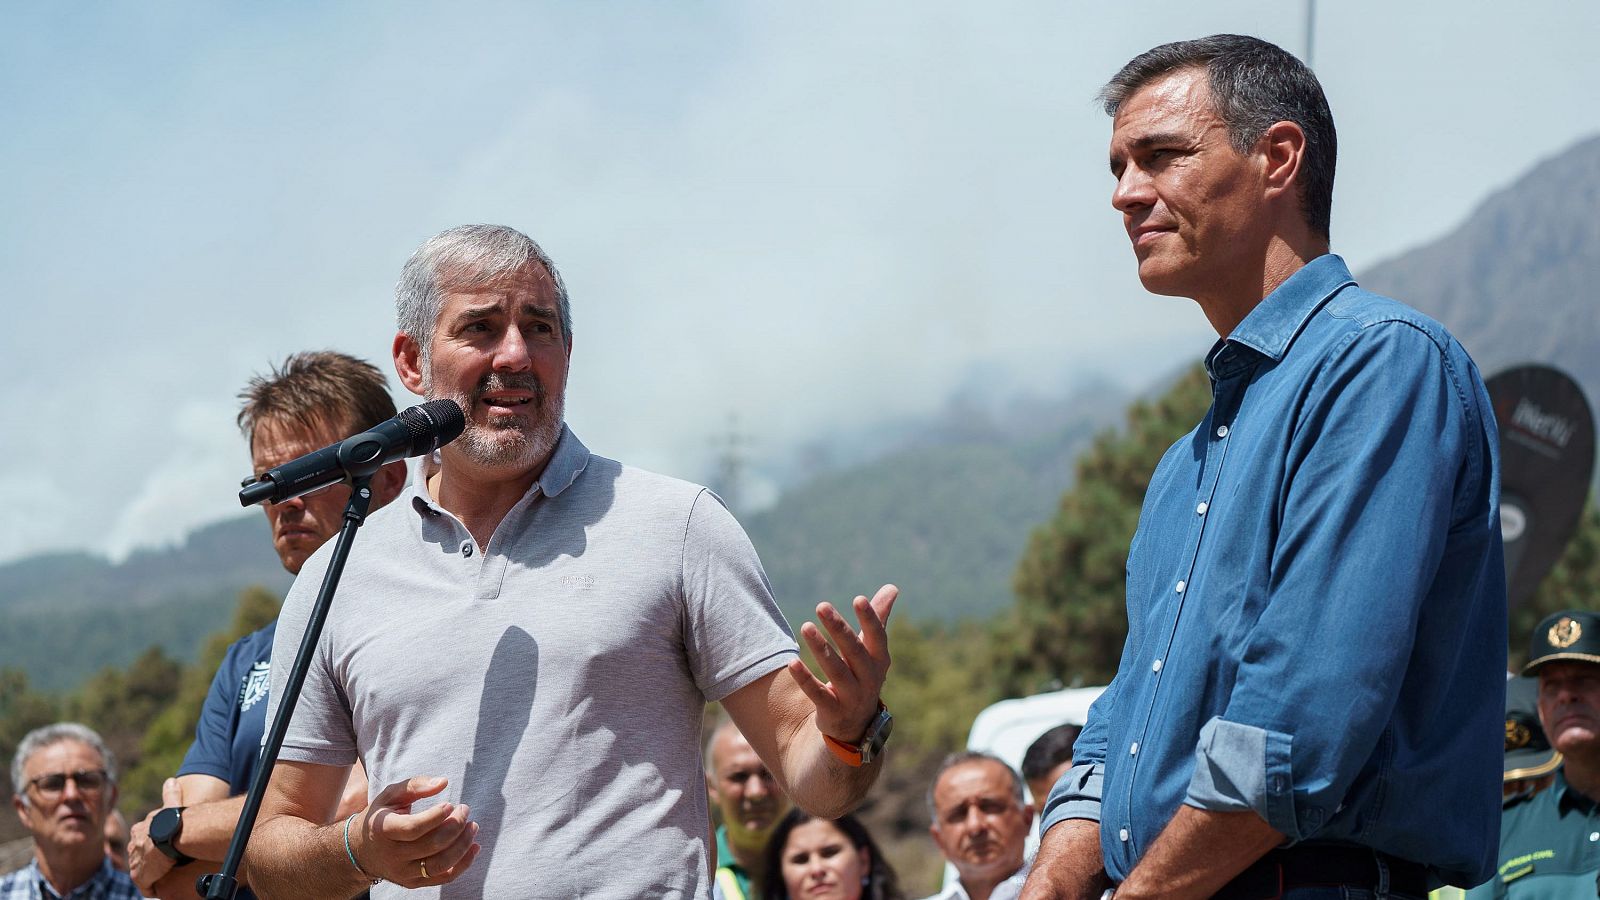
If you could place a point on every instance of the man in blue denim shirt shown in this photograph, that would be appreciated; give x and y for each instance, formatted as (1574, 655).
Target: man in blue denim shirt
(1309, 700)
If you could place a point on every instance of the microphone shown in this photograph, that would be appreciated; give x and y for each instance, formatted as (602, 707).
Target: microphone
(421, 429)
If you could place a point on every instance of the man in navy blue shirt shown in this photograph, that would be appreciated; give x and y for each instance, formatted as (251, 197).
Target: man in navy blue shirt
(312, 400)
(1308, 703)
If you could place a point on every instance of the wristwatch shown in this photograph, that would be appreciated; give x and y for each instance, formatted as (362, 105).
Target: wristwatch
(871, 744)
(164, 829)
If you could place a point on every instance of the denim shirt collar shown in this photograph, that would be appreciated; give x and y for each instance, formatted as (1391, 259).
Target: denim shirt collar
(1278, 319)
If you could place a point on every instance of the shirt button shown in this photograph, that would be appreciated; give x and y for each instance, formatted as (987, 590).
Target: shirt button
(1222, 431)
(1155, 666)
(1134, 750)
(466, 548)
(1594, 836)
(1122, 835)
(1201, 509)
(1181, 586)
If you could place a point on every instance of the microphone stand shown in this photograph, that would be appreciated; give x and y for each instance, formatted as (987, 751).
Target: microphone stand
(224, 885)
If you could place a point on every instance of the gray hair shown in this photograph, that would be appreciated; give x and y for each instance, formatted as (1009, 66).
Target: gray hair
(1254, 84)
(470, 254)
(49, 736)
(972, 756)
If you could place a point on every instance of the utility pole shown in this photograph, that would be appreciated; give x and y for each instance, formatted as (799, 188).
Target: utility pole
(731, 464)
(1311, 32)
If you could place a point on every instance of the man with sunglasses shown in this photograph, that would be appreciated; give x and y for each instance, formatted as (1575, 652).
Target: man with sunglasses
(65, 784)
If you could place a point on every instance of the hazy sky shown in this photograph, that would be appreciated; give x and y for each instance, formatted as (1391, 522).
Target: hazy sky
(812, 215)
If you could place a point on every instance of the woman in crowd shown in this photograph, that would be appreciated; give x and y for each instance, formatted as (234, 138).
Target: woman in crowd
(822, 859)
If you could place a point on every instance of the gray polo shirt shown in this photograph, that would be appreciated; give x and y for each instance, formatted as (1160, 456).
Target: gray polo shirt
(558, 679)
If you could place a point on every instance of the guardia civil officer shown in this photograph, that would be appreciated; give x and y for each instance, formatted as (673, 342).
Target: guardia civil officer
(1550, 840)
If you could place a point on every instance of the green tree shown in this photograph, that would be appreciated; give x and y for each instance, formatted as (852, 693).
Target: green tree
(22, 709)
(1573, 583)
(170, 730)
(1069, 620)
(120, 704)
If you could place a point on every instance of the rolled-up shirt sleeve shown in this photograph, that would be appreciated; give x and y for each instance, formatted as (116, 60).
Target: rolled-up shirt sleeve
(1077, 793)
(1375, 455)
(1075, 796)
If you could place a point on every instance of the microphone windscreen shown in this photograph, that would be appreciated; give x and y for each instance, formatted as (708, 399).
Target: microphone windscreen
(432, 425)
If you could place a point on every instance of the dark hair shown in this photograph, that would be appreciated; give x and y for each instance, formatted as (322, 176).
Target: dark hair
(882, 883)
(973, 756)
(1254, 84)
(322, 388)
(1052, 748)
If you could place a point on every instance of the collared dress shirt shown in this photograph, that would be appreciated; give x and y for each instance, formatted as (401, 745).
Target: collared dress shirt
(1316, 597)
(106, 884)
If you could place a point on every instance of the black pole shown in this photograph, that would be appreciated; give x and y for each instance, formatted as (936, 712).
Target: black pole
(224, 885)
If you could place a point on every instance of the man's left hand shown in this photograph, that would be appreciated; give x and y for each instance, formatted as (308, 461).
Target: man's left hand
(855, 663)
(146, 864)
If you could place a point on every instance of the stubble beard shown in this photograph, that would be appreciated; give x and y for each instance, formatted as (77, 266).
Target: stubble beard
(510, 440)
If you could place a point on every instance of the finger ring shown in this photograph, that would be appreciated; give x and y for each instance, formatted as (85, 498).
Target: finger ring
(424, 864)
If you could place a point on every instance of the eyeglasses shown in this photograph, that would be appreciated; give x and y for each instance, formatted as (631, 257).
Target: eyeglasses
(89, 781)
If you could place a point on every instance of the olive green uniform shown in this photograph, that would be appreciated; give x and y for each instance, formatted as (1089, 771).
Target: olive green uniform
(1549, 847)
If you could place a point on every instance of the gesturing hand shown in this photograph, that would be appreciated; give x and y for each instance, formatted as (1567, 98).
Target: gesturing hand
(414, 849)
(855, 664)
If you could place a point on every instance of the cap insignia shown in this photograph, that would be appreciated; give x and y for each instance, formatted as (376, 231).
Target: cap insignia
(1564, 633)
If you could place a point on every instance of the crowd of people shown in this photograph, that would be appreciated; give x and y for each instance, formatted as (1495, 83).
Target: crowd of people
(507, 698)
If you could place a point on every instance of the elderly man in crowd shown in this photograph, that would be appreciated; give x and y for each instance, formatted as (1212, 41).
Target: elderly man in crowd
(980, 824)
(65, 783)
(745, 792)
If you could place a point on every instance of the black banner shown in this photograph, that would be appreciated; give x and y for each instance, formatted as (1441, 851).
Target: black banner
(1546, 460)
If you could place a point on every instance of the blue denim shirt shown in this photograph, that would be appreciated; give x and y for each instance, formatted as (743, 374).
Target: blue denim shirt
(1316, 597)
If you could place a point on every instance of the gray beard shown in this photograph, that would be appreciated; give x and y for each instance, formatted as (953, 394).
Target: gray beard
(510, 441)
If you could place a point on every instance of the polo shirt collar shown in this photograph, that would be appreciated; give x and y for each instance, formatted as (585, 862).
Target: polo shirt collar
(565, 465)
(567, 462)
(1278, 319)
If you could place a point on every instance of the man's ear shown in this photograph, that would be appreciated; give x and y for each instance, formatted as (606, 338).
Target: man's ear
(711, 790)
(1283, 149)
(408, 362)
(22, 811)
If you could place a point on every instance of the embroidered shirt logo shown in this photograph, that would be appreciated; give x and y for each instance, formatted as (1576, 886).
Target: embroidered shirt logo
(255, 685)
(1564, 633)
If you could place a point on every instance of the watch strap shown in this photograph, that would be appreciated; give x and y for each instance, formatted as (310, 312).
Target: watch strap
(856, 755)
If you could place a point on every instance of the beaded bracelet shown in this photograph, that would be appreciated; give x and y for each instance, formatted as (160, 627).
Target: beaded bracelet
(352, 854)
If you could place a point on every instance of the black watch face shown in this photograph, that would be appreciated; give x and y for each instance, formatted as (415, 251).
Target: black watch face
(165, 825)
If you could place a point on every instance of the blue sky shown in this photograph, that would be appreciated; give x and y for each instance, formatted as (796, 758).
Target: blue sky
(814, 216)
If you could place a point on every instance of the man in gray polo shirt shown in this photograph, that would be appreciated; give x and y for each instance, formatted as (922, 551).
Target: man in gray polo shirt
(524, 642)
